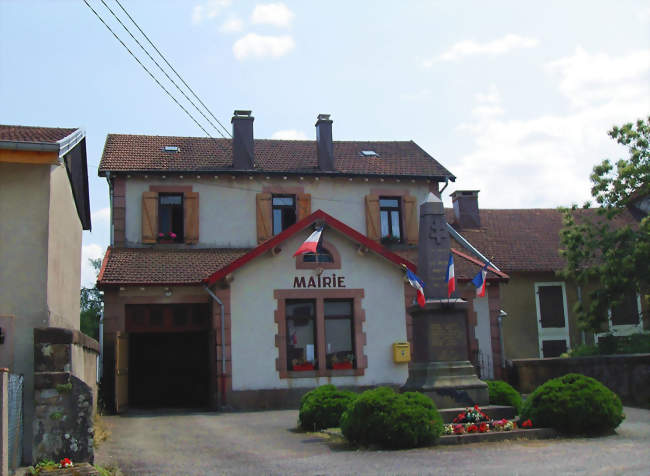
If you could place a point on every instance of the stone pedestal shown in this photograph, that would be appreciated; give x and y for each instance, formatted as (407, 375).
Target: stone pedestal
(441, 367)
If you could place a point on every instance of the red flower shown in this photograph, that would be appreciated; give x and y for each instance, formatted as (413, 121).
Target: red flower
(459, 429)
(65, 463)
(472, 429)
(483, 427)
(527, 424)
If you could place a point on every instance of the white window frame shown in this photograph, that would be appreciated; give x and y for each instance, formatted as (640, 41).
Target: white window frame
(552, 333)
(624, 329)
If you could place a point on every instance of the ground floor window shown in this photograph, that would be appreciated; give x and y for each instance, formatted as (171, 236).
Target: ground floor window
(320, 333)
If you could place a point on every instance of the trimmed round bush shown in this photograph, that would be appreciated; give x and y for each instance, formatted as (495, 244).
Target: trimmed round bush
(322, 407)
(574, 404)
(502, 393)
(392, 420)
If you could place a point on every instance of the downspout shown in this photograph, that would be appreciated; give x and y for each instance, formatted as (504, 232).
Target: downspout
(500, 317)
(446, 185)
(100, 367)
(222, 389)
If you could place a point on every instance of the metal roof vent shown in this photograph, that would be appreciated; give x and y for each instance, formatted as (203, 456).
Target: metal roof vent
(369, 153)
(171, 148)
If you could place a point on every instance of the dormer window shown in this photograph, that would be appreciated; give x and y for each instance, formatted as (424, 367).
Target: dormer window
(369, 153)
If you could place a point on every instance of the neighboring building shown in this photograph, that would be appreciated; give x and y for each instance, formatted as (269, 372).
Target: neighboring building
(44, 207)
(201, 227)
(525, 243)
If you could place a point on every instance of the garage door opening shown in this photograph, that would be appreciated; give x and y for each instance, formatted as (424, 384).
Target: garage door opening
(168, 356)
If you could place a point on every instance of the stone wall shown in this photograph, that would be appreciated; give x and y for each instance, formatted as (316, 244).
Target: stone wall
(627, 375)
(65, 394)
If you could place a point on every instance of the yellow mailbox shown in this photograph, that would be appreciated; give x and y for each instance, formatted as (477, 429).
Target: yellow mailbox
(401, 352)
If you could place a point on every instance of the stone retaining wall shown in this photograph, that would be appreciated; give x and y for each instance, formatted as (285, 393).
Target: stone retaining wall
(65, 394)
(627, 375)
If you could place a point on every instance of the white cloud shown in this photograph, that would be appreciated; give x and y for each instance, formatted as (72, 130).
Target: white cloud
(276, 14)
(586, 78)
(289, 134)
(421, 95)
(232, 25)
(88, 273)
(545, 161)
(208, 10)
(496, 47)
(259, 46)
(102, 215)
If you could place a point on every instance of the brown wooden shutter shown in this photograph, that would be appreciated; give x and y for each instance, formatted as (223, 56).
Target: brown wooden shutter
(191, 217)
(264, 217)
(372, 217)
(410, 220)
(149, 217)
(304, 205)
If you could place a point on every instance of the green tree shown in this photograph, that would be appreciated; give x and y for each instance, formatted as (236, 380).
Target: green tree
(91, 306)
(604, 252)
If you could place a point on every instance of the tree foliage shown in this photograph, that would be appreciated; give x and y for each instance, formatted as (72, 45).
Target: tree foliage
(91, 306)
(605, 252)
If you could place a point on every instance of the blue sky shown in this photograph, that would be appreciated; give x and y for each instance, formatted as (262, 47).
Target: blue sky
(515, 98)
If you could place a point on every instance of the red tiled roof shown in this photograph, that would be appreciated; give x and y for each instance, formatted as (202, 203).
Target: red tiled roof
(522, 239)
(33, 134)
(140, 153)
(147, 266)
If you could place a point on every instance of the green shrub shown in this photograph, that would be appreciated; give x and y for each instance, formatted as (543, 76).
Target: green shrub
(609, 344)
(584, 350)
(322, 407)
(502, 393)
(574, 404)
(392, 420)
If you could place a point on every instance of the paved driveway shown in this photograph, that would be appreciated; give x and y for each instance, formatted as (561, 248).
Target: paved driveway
(168, 443)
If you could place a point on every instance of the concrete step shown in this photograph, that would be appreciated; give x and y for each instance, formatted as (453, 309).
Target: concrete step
(531, 434)
(494, 412)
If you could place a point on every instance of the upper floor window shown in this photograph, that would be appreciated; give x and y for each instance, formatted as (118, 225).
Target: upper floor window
(170, 217)
(170, 214)
(284, 212)
(390, 218)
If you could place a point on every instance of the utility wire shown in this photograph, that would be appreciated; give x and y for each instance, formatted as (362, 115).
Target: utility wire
(161, 69)
(172, 68)
(145, 68)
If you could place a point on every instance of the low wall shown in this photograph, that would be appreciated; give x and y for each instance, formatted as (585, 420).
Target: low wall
(627, 375)
(65, 394)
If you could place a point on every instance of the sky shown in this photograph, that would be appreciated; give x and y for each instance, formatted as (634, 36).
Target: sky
(514, 98)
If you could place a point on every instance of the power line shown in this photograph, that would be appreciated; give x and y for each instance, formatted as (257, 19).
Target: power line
(161, 69)
(145, 68)
(172, 68)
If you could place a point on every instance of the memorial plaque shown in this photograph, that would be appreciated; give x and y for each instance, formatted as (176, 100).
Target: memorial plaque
(440, 337)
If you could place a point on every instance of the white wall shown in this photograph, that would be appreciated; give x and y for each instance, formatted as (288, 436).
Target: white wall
(253, 328)
(227, 214)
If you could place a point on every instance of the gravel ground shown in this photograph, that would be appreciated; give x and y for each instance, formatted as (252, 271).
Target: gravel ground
(182, 443)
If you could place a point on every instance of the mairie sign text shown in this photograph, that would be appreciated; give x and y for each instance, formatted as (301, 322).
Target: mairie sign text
(332, 281)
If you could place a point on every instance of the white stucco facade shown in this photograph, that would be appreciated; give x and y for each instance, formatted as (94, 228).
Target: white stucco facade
(227, 206)
(253, 328)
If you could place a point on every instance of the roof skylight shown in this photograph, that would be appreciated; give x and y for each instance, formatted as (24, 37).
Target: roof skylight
(369, 153)
(171, 148)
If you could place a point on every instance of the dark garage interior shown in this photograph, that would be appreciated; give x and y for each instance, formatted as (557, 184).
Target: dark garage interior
(168, 370)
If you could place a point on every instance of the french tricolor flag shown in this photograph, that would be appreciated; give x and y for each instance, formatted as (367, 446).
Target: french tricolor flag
(451, 277)
(479, 281)
(418, 285)
(311, 243)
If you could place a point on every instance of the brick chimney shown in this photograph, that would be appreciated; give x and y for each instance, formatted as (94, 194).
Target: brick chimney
(466, 208)
(324, 144)
(243, 152)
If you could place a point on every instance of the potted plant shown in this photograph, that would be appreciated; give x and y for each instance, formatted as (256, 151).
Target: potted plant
(301, 364)
(168, 237)
(342, 363)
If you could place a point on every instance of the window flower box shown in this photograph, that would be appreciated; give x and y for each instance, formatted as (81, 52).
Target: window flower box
(341, 365)
(305, 366)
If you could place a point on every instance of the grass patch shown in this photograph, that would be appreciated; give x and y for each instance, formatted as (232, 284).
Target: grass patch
(101, 431)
